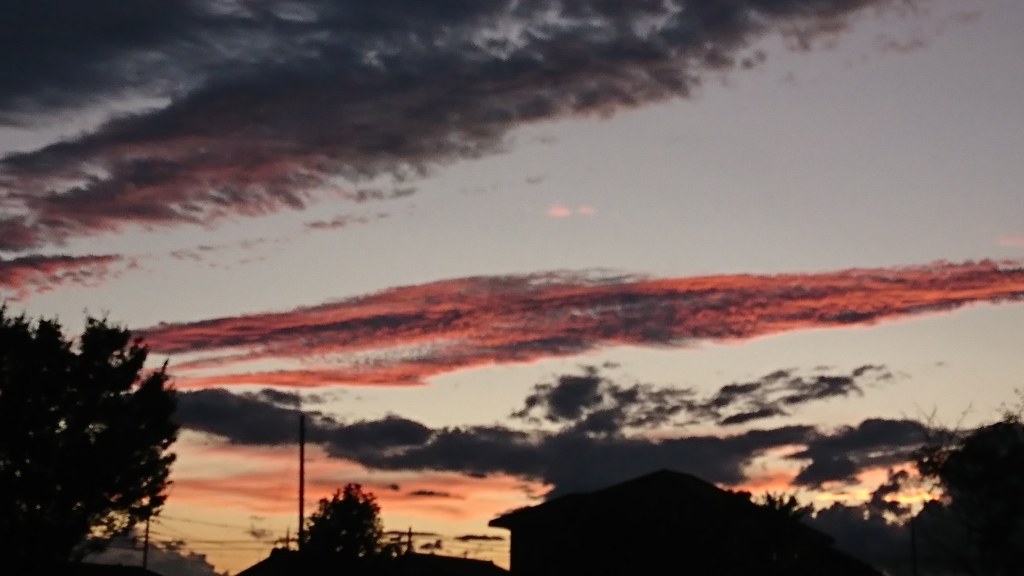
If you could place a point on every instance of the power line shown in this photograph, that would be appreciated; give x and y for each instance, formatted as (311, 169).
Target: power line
(172, 539)
(190, 538)
(202, 522)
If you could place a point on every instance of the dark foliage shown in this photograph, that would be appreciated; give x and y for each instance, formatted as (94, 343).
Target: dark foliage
(84, 438)
(346, 530)
(979, 522)
(785, 504)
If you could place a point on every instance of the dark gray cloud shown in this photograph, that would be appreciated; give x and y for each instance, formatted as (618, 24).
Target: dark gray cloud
(239, 418)
(279, 397)
(406, 533)
(272, 101)
(367, 437)
(577, 456)
(479, 538)
(592, 402)
(776, 394)
(570, 459)
(343, 221)
(271, 417)
(435, 545)
(873, 443)
(431, 494)
(62, 52)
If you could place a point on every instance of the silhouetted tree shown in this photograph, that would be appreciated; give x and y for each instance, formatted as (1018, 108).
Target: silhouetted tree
(347, 530)
(84, 438)
(979, 521)
(785, 504)
(782, 542)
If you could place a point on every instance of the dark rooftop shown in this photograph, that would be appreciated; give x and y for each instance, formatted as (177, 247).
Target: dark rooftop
(85, 569)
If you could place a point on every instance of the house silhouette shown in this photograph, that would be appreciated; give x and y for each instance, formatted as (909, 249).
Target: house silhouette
(667, 521)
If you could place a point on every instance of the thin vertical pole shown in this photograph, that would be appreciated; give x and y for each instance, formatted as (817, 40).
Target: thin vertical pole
(145, 547)
(913, 546)
(302, 477)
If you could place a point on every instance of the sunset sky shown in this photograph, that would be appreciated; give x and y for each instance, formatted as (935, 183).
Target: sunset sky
(779, 230)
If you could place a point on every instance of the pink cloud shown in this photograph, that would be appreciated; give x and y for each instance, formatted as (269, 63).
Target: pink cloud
(1012, 241)
(458, 324)
(562, 211)
(38, 274)
(559, 211)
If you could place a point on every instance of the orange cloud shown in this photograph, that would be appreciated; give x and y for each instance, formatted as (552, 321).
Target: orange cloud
(404, 336)
(772, 481)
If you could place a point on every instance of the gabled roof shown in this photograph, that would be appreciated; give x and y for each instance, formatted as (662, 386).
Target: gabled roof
(279, 562)
(646, 493)
(437, 565)
(650, 493)
(656, 484)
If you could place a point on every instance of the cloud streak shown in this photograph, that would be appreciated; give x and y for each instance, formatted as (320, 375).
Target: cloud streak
(21, 277)
(275, 104)
(406, 335)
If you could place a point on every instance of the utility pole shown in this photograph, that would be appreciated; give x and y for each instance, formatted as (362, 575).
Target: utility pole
(302, 477)
(145, 547)
(913, 547)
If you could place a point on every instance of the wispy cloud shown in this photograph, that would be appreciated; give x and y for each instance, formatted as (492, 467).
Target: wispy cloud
(275, 104)
(407, 335)
(1013, 241)
(21, 277)
(343, 221)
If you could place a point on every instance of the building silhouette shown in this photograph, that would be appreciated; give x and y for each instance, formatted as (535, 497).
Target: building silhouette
(283, 562)
(668, 521)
